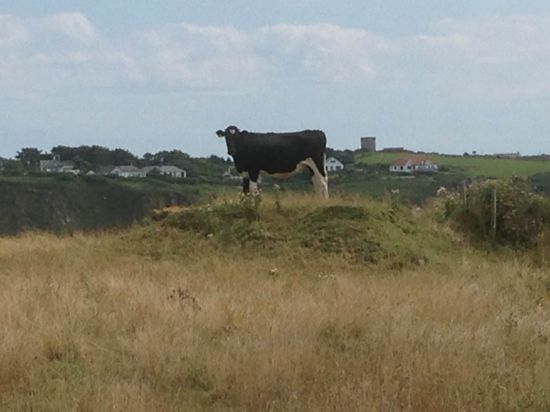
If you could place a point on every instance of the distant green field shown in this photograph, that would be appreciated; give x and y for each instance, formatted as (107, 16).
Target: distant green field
(469, 165)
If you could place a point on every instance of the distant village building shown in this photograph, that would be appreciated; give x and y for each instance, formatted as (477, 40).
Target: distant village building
(172, 171)
(55, 165)
(228, 174)
(516, 155)
(368, 144)
(334, 165)
(414, 164)
(127, 171)
(394, 149)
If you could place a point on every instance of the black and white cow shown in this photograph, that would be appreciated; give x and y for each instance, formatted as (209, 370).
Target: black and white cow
(277, 154)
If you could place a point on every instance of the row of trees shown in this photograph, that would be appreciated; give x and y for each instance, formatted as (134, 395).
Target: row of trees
(96, 158)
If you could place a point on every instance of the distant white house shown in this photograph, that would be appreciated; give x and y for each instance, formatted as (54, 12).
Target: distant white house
(334, 165)
(172, 171)
(414, 164)
(127, 171)
(55, 165)
(228, 174)
(515, 155)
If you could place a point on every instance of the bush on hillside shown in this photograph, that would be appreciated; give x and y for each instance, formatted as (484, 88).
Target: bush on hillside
(64, 177)
(95, 179)
(521, 214)
(13, 168)
(541, 183)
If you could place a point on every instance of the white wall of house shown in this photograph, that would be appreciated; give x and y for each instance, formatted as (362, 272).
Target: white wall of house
(57, 166)
(410, 166)
(334, 165)
(127, 173)
(177, 174)
(427, 166)
(405, 168)
(172, 171)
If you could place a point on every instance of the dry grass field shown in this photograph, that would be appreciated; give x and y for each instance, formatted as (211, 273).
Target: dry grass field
(166, 319)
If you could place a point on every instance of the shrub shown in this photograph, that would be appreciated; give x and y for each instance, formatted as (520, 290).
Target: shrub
(521, 214)
(64, 177)
(94, 178)
(13, 168)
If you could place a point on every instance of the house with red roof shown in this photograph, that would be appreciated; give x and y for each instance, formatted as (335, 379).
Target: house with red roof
(414, 164)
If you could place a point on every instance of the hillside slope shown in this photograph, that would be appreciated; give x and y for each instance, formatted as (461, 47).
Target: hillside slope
(468, 165)
(66, 206)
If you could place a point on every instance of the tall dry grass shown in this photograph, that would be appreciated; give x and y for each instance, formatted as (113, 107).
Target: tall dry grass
(91, 322)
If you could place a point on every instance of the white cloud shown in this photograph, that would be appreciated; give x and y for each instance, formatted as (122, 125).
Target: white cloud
(501, 39)
(205, 56)
(499, 57)
(59, 52)
(12, 32)
(199, 56)
(75, 26)
(327, 51)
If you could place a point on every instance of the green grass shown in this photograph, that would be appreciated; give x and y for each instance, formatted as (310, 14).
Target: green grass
(353, 228)
(468, 165)
(408, 189)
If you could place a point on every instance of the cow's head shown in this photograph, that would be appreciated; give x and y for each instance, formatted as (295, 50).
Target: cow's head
(230, 134)
(230, 131)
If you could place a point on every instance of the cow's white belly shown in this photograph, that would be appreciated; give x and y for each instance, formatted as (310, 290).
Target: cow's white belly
(299, 168)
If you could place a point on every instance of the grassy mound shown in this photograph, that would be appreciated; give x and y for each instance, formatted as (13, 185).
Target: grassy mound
(360, 230)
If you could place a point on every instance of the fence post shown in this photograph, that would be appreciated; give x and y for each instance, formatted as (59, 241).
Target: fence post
(494, 215)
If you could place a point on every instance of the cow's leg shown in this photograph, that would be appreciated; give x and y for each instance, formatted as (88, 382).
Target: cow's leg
(246, 185)
(254, 191)
(320, 185)
(319, 179)
(320, 162)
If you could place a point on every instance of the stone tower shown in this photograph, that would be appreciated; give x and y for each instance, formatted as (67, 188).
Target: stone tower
(368, 144)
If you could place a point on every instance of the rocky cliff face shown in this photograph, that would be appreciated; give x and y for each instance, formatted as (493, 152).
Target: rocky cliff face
(63, 207)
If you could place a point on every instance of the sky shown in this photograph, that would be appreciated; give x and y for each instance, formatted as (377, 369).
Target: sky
(432, 75)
